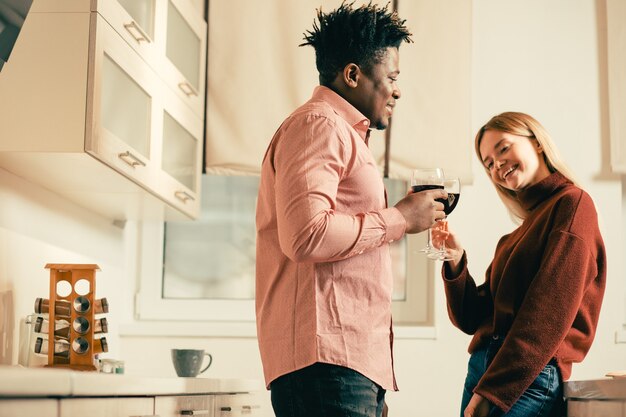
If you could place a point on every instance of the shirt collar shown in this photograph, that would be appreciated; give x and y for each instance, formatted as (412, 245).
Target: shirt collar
(344, 109)
(536, 193)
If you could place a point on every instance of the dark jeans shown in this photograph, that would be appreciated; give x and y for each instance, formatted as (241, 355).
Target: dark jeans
(543, 398)
(324, 390)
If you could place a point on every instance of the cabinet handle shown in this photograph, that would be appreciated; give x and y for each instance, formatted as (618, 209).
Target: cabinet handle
(195, 412)
(131, 159)
(187, 89)
(137, 32)
(184, 196)
(244, 408)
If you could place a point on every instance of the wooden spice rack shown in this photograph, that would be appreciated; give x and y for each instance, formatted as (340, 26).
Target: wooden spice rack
(81, 300)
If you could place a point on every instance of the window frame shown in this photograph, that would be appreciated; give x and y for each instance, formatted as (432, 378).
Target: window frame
(413, 316)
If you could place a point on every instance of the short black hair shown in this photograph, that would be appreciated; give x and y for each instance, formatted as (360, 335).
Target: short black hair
(348, 35)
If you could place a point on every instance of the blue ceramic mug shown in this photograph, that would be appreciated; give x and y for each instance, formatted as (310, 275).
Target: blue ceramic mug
(188, 362)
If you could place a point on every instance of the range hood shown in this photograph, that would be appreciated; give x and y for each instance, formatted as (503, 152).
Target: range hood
(12, 16)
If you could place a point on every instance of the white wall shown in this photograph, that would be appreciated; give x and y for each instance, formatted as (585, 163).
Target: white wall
(37, 227)
(543, 58)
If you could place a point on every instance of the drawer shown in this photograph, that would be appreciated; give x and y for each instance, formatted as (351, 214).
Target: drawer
(595, 408)
(236, 405)
(107, 407)
(184, 405)
(28, 408)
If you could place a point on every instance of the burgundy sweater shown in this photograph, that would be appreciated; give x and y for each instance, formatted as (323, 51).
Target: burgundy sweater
(543, 290)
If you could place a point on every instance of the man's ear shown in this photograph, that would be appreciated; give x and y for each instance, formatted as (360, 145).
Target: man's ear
(351, 74)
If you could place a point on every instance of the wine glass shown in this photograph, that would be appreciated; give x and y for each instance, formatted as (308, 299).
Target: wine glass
(427, 179)
(453, 187)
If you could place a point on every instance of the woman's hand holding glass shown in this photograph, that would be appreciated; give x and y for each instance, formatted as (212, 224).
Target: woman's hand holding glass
(443, 237)
(453, 187)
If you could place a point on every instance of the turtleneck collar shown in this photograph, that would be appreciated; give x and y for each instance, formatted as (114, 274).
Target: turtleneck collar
(537, 193)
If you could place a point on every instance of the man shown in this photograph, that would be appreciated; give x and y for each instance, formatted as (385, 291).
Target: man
(323, 272)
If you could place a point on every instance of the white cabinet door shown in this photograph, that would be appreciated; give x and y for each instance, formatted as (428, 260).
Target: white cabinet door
(180, 157)
(107, 407)
(124, 101)
(28, 408)
(136, 22)
(184, 66)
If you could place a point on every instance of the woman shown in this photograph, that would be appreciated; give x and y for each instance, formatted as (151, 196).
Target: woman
(537, 311)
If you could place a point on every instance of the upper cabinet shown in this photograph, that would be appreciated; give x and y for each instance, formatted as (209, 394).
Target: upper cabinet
(101, 88)
(170, 35)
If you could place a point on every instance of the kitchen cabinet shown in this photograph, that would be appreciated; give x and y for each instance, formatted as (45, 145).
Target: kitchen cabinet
(595, 408)
(170, 36)
(105, 407)
(64, 393)
(28, 408)
(96, 107)
(190, 405)
(596, 398)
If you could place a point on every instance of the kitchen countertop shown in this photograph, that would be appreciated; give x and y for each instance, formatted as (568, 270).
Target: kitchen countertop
(596, 389)
(17, 381)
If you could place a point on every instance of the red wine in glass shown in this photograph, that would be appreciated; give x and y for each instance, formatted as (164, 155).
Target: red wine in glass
(449, 203)
(418, 188)
(427, 179)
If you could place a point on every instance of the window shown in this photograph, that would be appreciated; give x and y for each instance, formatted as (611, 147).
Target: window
(204, 270)
(214, 256)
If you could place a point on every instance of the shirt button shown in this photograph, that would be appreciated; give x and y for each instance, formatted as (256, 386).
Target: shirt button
(366, 122)
(391, 241)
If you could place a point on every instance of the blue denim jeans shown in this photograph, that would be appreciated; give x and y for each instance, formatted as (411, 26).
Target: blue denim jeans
(543, 398)
(324, 390)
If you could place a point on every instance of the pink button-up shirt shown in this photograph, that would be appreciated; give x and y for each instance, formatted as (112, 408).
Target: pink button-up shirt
(323, 269)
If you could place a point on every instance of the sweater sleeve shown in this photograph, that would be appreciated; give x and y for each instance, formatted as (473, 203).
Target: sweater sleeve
(556, 298)
(468, 305)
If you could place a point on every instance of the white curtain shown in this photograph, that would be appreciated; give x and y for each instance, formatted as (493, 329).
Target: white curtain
(257, 75)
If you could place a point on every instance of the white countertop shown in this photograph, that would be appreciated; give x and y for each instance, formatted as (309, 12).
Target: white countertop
(16, 381)
(596, 389)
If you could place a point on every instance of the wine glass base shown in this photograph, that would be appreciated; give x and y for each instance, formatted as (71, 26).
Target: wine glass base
(439, 256)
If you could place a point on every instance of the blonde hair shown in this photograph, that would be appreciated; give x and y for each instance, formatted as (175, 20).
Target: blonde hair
(521, 124)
